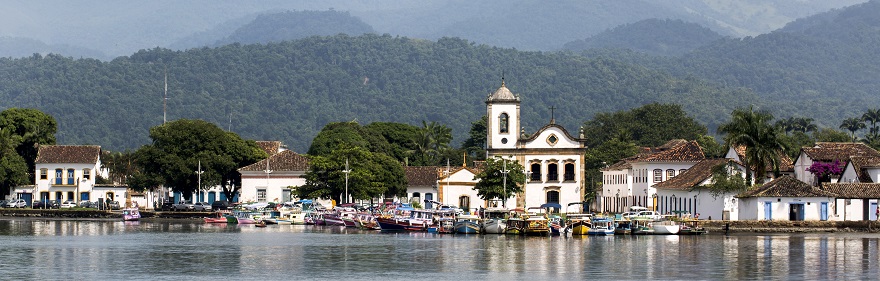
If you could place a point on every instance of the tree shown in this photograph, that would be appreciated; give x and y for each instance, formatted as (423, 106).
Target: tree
(711, 147)
(831, 135)
(492, 178)
(13, 167)
(852, 125)
(752, 130)
(372, 175)
(872, 116)
(432, 141)
(641, 125)
(33, 127)
(475, 144)
(180, 146)
(726, 178)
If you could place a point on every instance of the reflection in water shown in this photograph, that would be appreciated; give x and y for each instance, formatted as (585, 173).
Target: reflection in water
(110, 249)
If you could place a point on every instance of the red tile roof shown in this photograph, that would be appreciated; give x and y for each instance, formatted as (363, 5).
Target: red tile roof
(677, 150)
(786, 186)
(270, 147)
(861, 163)
(853, 190)
(830, 151)
(84, 154)
(421, 175)
(691, 178)
(283, 161)
(785, 165)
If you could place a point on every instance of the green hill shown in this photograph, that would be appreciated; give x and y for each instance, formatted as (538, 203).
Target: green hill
(288, 91)
(288, 25)
(651, 36)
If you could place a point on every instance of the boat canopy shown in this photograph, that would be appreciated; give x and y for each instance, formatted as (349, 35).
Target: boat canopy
(637, 208)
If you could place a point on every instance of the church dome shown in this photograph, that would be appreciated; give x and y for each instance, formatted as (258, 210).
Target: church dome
(502, 94)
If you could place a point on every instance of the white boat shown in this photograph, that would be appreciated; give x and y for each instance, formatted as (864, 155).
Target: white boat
(666, 227)
(495, 220)
(601, 227)
(131, 214)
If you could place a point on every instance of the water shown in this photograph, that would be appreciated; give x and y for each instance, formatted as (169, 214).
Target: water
(37, 249)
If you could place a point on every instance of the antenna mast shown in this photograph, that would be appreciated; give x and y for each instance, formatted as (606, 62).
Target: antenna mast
(165, 100)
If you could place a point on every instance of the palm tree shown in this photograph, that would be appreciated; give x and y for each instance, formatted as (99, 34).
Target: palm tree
(852, 124)
(872, 116)
(804, 125)
(761, 140)
(432, 140)
(786, 125)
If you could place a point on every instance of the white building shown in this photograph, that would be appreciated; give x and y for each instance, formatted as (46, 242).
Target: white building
(828, 152)
(553, 158)
(789, 199)
(422, 185)
(688, 192)
(630, 182)
(786, 165)
(455, 186)
(273, 178)
(67, 172)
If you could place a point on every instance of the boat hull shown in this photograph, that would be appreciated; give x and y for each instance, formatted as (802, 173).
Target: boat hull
(467, 227)
(495, 226)
(666, 229)
(580, 229)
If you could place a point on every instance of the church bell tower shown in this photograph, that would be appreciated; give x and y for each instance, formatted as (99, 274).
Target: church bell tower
(503, 123)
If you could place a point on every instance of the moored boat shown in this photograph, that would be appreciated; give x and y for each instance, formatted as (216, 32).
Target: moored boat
(578, 224)
(494, 220)
(666, 226)
(467, 224)
(218, 217)
(131, 214)
(622, 227)
(601, 227)
(537, 225)
(691, 227)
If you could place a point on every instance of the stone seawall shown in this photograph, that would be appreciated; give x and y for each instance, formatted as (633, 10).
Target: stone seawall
(764, 226)
(88, 213)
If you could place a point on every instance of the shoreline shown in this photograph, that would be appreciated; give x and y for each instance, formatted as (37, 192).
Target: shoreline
(714, 227)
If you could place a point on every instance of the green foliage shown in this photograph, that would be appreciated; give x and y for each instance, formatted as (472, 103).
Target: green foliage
(852, 125)
(289, 90)
(399, 136)
(831, 135)
(32, 127)
(711, 147)
(372, 175)
(752, 129)
(13, 167)
(431, 142)
(727, 178)
(492, 179)
(475, 144)
(794, 142)
(652, 36)
(288, 25)
(650, 125)
(180, 147)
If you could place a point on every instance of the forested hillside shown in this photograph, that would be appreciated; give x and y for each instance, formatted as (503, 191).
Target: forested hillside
(277, 27)
(651, 36)
(288, 91)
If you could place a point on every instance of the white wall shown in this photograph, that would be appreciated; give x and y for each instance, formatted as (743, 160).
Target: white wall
(79, 186)
(274, 186)
(753, 208)
(707, 205)
(495, 137)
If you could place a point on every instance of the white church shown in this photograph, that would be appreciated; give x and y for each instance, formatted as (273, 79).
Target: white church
(553, 160)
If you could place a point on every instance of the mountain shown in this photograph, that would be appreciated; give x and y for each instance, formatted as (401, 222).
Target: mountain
(289, 90)
(119, 28)
(22, 47)
(289, 25)
(651, 36)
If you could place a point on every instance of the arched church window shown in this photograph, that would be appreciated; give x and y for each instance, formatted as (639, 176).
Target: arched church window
(503, 123)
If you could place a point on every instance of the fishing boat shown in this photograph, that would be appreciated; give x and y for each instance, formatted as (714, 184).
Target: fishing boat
(467, 224)
(622, 227)
(495, 220)
(131, 214)
(516, 224)
(691, 227)
(218, 217)
(444, 221)
(405, 218)
(578, 224)
(536, 225)
(366, 221)
(666, 226)
(557, 226)
(640, 226)
(601, 227)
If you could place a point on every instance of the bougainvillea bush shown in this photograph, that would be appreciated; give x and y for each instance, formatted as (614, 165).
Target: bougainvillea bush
(824, 170)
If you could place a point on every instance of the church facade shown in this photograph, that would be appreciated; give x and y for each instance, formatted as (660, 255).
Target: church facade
(553, 159)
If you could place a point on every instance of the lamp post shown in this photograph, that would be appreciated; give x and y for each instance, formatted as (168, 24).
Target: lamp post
(199, 172)
(267, 171)
(695, 204)
(346, 171)
(504, 172)
(673, 203)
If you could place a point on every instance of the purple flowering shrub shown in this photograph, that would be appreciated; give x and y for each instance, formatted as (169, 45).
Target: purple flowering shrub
(824, 170)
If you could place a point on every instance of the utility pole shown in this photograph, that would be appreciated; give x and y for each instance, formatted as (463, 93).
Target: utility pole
(199, 172)
(504, 172)
(346, 171)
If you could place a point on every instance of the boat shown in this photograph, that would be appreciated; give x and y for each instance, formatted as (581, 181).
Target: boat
(240, 217)
(536, 224)
(366, 221)
(691, 227)
(131, 214)
(444, 221)
(516, 224)
(578, 224)
(666, 226)
(601, 226)
(622, 227)
(467, 224)
(218, 217)
(557, 226)
(405, 218)
(260, 224)
(640, 226)
(495, 220)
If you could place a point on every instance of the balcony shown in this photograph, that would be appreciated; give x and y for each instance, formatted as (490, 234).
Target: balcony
(535, 177)
(552, 177)
(568, 177)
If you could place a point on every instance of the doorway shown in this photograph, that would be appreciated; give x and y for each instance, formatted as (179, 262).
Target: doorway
(796, 212)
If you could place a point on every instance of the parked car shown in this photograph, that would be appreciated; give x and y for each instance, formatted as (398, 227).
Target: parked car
(113, 205)
(52, 204)
(183, 206)
(88, 204)
(202, 207)
(17, 203)
(167, 206)
(3, 203)
(220, 205)
(68, 204)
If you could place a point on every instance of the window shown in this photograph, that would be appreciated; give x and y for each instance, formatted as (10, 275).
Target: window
(502, 123)
(553, 196)
(569, 172)
(536, 172)
(84, 196)
(681, 171)
(261, 195)
(670, 174)
(70, 196)
(552, 172)
(44, 173)
(87, 174)
(59, 176)
(658, 175)
(70, 177)
(417, 195)
(464, 203)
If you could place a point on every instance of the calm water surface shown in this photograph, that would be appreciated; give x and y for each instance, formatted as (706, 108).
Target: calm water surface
(104, 249)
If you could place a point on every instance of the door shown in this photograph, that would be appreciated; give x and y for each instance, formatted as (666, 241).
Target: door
(823, 211)
(796, 212)
(768, 211)
(428, 198)
(872, 212)
(212, 196)
(28, 198)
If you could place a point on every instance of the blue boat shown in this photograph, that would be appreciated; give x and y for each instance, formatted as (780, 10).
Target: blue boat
(601, 227)
(467, 224)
